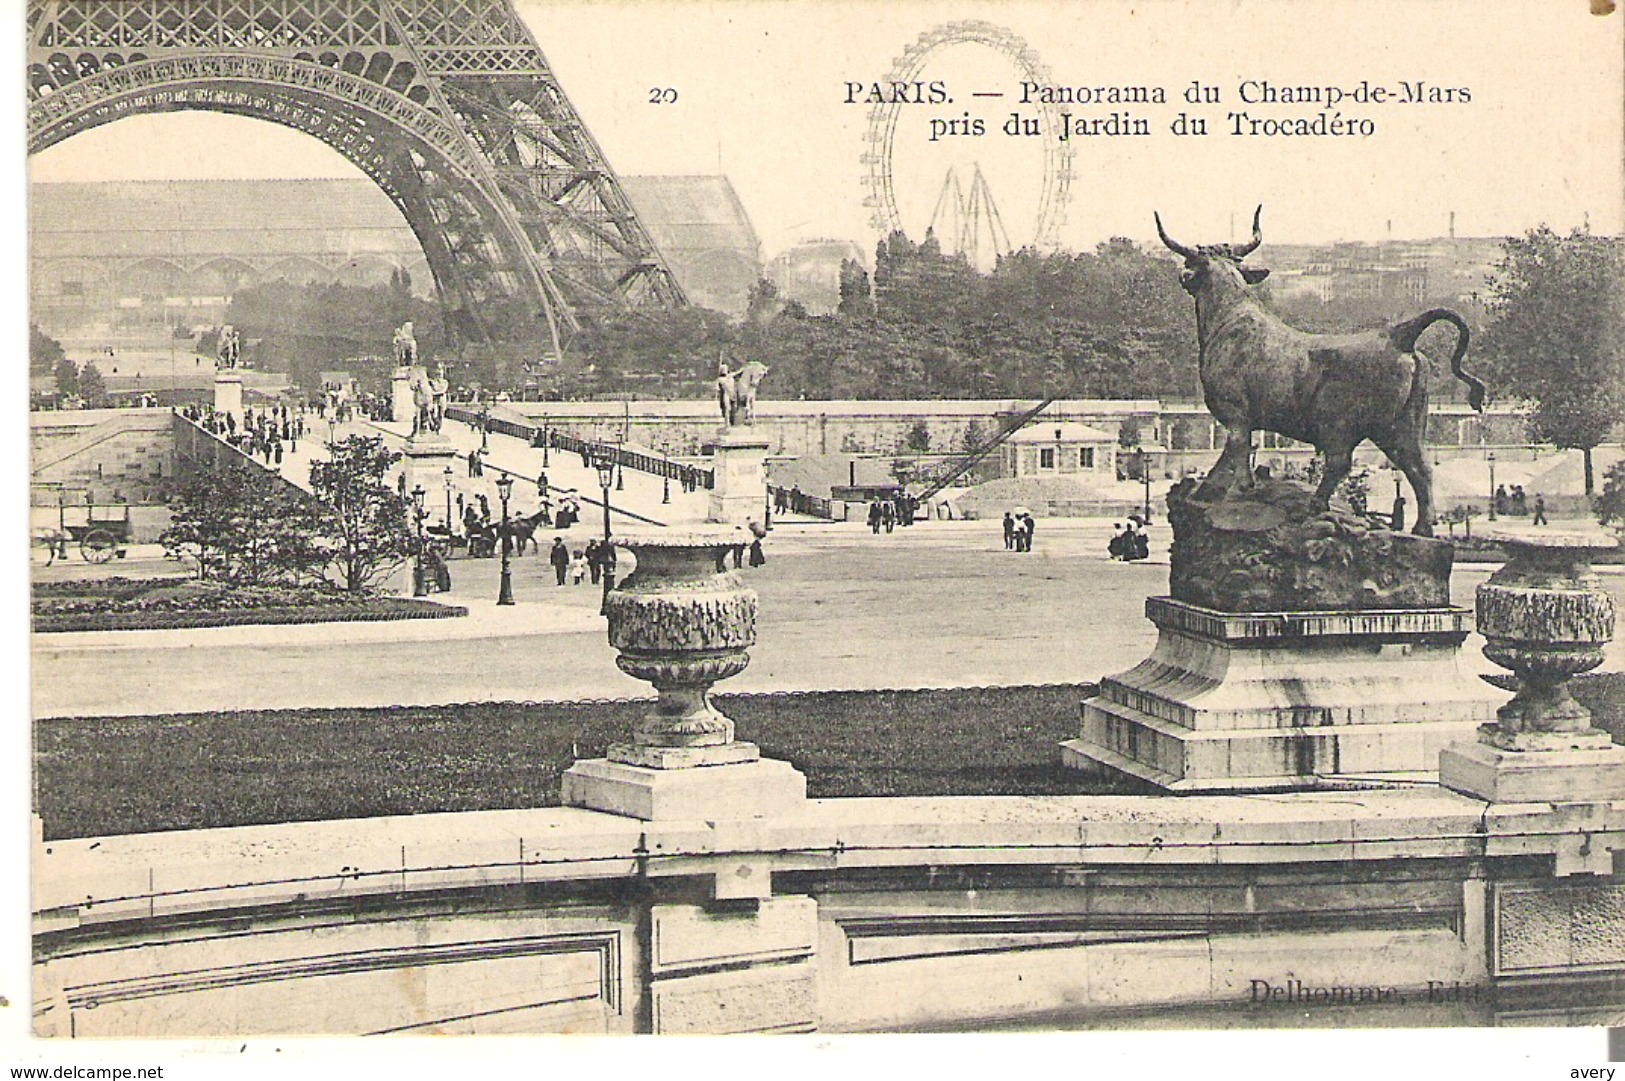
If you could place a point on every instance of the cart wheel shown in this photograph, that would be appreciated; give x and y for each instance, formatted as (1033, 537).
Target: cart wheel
(97, 547)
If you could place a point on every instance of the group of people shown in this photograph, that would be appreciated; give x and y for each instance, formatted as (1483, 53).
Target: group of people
(1129, 542)
(595, 561)
(1515, 504)
(889, 513)
(1018, 531)
(264, 433)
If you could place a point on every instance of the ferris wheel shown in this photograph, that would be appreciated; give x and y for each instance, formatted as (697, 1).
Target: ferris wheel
(1056, 181)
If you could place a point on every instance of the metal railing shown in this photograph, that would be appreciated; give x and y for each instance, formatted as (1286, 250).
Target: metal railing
(690, 476)
(590, 452)
(798, 502)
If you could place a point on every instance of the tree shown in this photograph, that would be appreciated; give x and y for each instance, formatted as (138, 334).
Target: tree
(1557, 336)
(918, 437)
(367, 521)
(66, 373)
(44, 351)
(1611, 504)
(857, 298)
(92, 387)
(246, 526)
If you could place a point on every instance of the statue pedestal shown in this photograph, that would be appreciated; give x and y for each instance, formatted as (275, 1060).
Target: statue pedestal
(682, 625)
(1275, 700)
(1546, 616)
(739, 495)
(228, 394)
(402, 406)
(427, 456)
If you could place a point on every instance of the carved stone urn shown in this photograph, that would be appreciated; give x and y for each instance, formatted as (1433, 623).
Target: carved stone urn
(682, 624)
(1546, 617)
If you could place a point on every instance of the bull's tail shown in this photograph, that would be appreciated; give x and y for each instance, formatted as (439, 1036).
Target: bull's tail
(1404, 336)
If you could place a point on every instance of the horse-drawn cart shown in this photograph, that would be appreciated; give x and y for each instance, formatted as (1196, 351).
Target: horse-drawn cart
(101, 531)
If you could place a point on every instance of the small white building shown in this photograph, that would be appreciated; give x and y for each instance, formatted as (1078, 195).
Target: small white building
(1053, 448)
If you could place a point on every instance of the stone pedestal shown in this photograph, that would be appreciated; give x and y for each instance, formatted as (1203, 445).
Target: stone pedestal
(427, 455)
(1545, 616)
(228, 394)
(402, 405)
(682, 625)
(739, 495)
(1271, 700)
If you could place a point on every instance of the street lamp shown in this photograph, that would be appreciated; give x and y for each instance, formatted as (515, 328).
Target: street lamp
(606, 478)
(420, 587)
(505, 591)
(485, 426)
(547, 439)
(1492, 485)
(448, 476)
(332, 431)
(1145, 477)
(665, 474)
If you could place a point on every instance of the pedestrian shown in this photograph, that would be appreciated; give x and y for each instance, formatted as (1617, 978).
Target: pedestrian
(1501, 506)
(1027, 526)
(874, 518)
(1010, 531)
(485, 505)
(473, 470)
(594, 567)
(1117, 547)
(278, 450)
(888, 516)
(1540, 510)
(541, 485)
(1139, 544)
(559, 556)
(578, 567)
(757, 532)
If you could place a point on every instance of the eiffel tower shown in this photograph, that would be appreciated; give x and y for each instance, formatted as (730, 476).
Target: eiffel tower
(448, 105)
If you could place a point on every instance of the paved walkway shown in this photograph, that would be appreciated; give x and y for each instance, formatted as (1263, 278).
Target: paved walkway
(934, 605)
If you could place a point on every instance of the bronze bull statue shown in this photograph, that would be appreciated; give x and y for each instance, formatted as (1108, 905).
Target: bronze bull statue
(1331, 390)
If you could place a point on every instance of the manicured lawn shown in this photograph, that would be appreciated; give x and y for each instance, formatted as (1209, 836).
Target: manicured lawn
(138, 774)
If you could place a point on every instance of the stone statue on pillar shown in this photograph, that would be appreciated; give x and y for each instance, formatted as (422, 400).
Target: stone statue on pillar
(736, 392)
(406, 346)
(229, 349)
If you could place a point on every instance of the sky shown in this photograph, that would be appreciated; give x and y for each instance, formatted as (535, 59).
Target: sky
(761, 89)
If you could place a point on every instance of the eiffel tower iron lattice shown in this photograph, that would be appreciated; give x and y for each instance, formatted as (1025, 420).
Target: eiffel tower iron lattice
(448, 105)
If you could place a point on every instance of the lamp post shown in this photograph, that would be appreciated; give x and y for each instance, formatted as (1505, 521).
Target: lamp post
(1492, 485)
(605, 479)
(505, 590)
(420, 588)
(547, 439)
(448, 475)
(485, 426)
(332, 432)
(1145, 478)
(665, 474)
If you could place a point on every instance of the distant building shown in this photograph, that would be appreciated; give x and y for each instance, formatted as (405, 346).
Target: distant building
(171, 253)
(1440, 268)
(1045, 449)
(810, 273)
(700, 226)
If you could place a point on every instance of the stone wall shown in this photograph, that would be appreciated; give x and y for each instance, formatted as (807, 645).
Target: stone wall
(109, 455)
(1412, 906)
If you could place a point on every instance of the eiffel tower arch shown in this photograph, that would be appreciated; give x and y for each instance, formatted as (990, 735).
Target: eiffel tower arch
(448, 105)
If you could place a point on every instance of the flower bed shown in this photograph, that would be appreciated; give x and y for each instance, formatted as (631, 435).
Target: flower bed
(125, 604)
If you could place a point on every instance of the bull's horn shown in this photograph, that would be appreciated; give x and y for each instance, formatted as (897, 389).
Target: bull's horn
(1258, 236)
(1173, 245)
